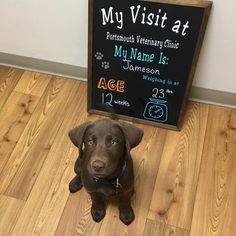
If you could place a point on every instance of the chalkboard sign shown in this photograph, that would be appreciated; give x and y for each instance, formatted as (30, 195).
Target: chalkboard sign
(142, 57)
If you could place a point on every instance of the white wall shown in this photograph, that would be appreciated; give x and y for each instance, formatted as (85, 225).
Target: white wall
(56, 30)
(217, 63)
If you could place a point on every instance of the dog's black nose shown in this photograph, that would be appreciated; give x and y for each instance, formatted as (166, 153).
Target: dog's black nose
(98, 165)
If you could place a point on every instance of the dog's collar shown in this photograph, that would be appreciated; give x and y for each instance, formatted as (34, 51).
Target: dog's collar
(114, 180)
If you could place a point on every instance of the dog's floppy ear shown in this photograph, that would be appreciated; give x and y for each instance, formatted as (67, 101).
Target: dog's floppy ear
(77, 134)
(132, 133)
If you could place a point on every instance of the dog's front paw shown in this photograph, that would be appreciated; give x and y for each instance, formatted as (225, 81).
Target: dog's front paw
(98, 212)
(75, 184)
(126, 214)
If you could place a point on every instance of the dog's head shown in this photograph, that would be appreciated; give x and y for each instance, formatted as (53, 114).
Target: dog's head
(103, 144)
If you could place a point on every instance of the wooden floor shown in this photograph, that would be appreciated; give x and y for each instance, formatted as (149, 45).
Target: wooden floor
(185, 181)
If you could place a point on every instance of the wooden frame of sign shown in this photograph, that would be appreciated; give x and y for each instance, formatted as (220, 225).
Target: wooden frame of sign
(142, 57)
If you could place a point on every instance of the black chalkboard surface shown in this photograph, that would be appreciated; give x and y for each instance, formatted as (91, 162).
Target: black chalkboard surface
(142, 57)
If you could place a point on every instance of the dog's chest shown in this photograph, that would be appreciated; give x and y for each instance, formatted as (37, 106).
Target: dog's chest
(105, 190)
(108, 191)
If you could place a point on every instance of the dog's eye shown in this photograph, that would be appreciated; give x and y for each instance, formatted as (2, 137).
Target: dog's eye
(90, 142)
(114, 142)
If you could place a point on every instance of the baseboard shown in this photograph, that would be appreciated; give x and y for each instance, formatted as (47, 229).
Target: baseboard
(214, 97)
(44, 66)
(198, 94)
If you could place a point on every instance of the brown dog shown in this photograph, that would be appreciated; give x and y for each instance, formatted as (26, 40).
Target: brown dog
(104, 166)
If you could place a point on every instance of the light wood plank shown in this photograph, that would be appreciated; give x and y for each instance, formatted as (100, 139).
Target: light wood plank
(42, 212)
(146, 159)
(176, 183)
(162, 229)
(14, 116)
(17, 109)
(215, 207)
(78, 209)
(33, 83)
(4, 70)
(10, 209)
(8, 80)
(23, 166)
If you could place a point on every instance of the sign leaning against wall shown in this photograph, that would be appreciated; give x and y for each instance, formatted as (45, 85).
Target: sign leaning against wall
(142, 57)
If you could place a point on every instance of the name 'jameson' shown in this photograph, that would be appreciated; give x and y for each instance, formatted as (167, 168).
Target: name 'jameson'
(128, 66)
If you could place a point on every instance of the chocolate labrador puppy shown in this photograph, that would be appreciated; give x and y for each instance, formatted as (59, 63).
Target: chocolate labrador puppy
(104, 166)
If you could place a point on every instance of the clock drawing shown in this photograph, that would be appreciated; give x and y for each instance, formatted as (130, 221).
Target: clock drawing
(156, 110)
